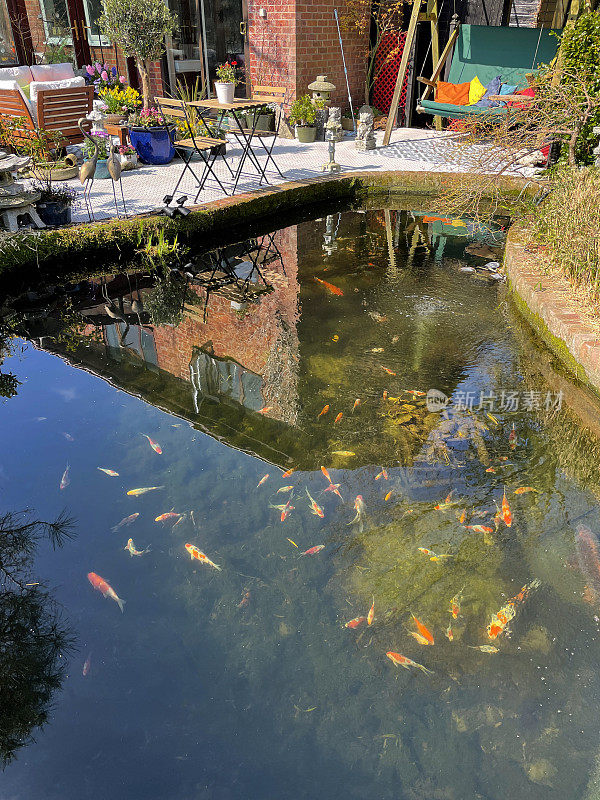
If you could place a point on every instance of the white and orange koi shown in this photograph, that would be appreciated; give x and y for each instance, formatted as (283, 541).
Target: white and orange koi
(383, 474)
(335, 488)
(325, 472)
(357, 403)
(65, 480)
(284, 489)
(154, 445)
(371, 614)
(433, 556)
(315, 508)
(313, 550)
(130, 547)
(198, 555)
(403, 661)
(103, 586)
(506, 515)
(500, 620)
(359, 507)
(168, 516)
(143, 490)
(262, 480)
(110, 472)
(448, 503)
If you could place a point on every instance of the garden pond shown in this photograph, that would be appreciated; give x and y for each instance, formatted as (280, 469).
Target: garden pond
(342, 421)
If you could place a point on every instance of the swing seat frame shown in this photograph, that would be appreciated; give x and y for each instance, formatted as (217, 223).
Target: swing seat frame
(486, 52)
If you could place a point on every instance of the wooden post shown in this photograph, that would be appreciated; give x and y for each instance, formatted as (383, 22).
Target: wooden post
(435, 46)
(410, 36)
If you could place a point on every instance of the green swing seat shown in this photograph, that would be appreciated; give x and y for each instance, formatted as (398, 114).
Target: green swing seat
(487, 52)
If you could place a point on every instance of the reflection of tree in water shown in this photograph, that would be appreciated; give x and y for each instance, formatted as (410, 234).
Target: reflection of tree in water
(33, 638)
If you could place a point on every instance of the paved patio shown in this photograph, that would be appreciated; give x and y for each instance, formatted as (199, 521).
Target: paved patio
(410, 149)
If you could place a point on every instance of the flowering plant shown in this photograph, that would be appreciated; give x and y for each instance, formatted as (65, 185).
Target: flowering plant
(119, 101)
(146, 118)
(226, 73)
(126, 150)
(102, 139)
(102, 76)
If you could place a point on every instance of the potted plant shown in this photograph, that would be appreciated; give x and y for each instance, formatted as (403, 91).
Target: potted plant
(128, 157)
(151, 138)
(139, 28)
(226, 81)
(102, 76)
(119, 102)
(265, 118)
(303, 114)
(102, 141)
(54, 205)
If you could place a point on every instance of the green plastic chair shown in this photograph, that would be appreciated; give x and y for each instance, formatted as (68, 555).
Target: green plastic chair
(486, 52)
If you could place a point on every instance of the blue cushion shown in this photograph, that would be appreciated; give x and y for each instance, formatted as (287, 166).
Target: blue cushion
(507, 88)
(492, 88)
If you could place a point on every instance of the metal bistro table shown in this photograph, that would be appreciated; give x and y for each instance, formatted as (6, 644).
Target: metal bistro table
(242, 134)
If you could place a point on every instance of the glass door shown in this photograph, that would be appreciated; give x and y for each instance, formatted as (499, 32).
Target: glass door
(93, 12)
(226, 36)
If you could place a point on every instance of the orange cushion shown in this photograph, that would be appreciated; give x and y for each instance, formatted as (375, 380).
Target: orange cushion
(456, 94)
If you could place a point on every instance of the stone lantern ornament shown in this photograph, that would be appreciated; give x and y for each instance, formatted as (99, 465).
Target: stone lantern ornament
(321, 89)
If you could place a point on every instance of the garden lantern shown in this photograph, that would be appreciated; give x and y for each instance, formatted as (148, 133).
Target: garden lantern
(321, 89)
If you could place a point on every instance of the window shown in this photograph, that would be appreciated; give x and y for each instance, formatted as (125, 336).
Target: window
(93, 12)
(7, 45)
(57, 23)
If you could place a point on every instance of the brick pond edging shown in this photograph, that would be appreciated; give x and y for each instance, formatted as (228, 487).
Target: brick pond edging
(542, 301)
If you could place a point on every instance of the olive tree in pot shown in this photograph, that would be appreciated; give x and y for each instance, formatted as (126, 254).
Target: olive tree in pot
(303, 114)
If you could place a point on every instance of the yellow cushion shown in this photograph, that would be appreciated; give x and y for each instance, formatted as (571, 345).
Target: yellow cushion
(476, 91)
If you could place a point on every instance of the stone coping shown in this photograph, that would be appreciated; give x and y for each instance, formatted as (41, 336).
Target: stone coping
(541, 300)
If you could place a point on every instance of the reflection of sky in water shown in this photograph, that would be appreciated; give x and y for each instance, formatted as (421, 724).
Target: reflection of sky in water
(193, 693)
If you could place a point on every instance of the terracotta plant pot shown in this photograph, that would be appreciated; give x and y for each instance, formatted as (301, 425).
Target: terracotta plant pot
(115, 119)
(224, 91)
(306, 133)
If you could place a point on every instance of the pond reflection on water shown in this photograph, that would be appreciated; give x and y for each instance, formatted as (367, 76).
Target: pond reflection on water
(314, 347)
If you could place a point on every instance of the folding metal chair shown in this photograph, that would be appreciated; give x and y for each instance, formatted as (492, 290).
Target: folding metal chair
(208, 148)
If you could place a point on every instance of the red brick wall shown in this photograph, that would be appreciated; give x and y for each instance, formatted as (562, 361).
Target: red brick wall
(273, 44)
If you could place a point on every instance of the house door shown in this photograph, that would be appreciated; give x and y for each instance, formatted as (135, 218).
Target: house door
(79, 32)
(227, 36)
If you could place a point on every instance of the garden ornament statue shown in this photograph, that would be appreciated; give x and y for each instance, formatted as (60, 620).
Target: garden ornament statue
(365, 138)
(15, 200)
(113, 164)
(321, 89)
(88, 169)
(332, 130)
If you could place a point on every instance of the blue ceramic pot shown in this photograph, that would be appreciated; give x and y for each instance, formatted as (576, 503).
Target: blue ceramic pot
(101, 170)
(153, 145)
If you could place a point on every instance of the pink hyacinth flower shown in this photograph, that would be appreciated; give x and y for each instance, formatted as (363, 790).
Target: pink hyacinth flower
(89, 69)
(104, 75)
(122, 78)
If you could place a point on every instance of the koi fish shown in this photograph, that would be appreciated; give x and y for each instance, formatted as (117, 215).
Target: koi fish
(354, 623)
(371, 614)
(512, 438)
(326, 473)
(278, 507)
(65, 480)
(500, 620)
(154, 445)
(324, 410)
(497, 517)
(197, 554)
(449, 633)
(87, 664)
(312, 550)
(343, 453)
(262, 480)
(284, 489)
(265, 409)
(288, 472)
(357, 403)
(403, 661)
(383, 474)
(335, 338)
(68, 437)
(433, 556)
(314, 507)
(454, 605)
(359, 507)
(506, 515)
(415, 392)
(463, 517)
(110, 472)
(448, 503)
(287, 510)
(525, 489)
(377, 350)
(445, 220)
(292, 542)
(335, 488)
(479, 528)
(143, 490)
(338, 418)
(126, 521)
(387, 497)
(491, 469)
(246, 595)
(333, 289)
(130, 547)
(425, 632)
(168, 516)
(492, 418)
(102, 586)
(485, 648)
(420, 639)
(388, 371)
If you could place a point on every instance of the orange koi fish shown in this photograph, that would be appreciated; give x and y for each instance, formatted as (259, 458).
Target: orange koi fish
(357, 403)
(454, 606)
(354, 623)
(197, 554)
(371, 614)
(326, 473)
(130, 547)
(284, 489)
(359, 507)
(463, 517)
(448, 503)
(154, 445)
(335, 488)
(324, 410)
(333, 289)
(338, 418)
(415, 393)
(312, 550)
(288, 472)
(491, 469)
(65, 480)
(246, 595)
(265, 409)
(420, 639)
(87, 665)
(383, 474)
(425, 632)
(512, 438)
(110, 472)
(168, 516)
(479, 528)
(262, 480)
(433, 556)
(506, 515)
(343, 453)
(445, 220)
(102, 586)
(499, 621)
(387, 497)
(385, 394)
(525, 489)
(143, 490)
(388, 371)
(126, 521)
(287, 510)
(449, 633)
(314, 507)
(403, 661)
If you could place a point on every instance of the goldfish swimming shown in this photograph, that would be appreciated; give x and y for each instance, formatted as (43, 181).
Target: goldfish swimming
(284, 489)
(500, 620)
(479, 528)
(130, 547)
(109, 472)
(433, 556)
(506, 515)
(454, 605)
(197, 554)
(126, 521)
(65, 480)
(388, 371)
(335, 488)
(343, 453)
(445, 220)
(492, 418)
(420, 639)
(448, 503)
(265, 410)
(525, 489)
(292, 542)
(154, 445)
(288, 472)
(449, 633)
(312, 550)
(377, 350)
(338, 418)
(415, 392)
(102, 586)
(287, 510)
(168, 516)
(403, 661)
(262, 480)
(425, 632)
(371, 614)
(325, 472)
(354, 623)
(324, 410)
(387, 497)
(143, 490)
(357, 403)
(87, 664)
(359, 507)
(491, 469)
(463, 517)
(512, 438)
(314, 507)
(383, 474)
(485, 648)
(246, 595)
(333, 289)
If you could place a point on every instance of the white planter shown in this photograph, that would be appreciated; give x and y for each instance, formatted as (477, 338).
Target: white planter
(128, 160)
(224, 91)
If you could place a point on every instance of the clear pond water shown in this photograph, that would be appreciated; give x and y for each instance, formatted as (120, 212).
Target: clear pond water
(245, 682)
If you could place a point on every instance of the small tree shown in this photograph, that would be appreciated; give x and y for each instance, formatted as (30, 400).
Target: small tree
(138, 27)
